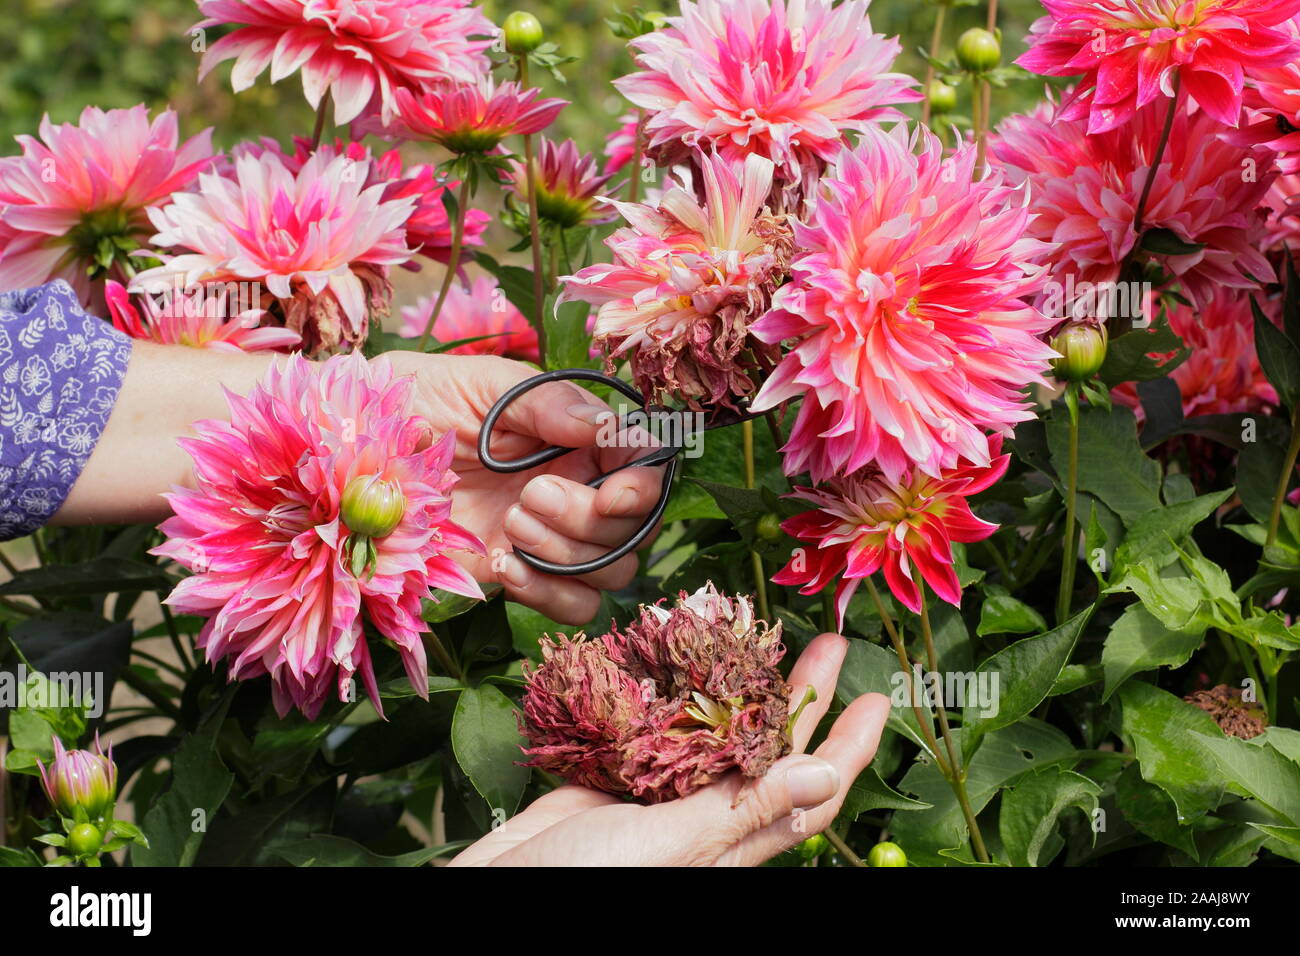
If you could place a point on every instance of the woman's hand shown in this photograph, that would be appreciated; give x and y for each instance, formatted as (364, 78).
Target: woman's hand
(547, 511)
(732, 823)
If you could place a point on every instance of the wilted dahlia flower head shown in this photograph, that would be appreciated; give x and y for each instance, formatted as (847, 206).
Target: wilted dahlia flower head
(665, 706)
(316, 508)
(687, 281)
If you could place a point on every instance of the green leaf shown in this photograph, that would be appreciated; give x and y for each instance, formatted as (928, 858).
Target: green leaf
(567, 343)
(1290, 835)
(486, 739)
(400, 687)
(97, 576)
(1279, 357)
(1139, 642)
(445, 605)
(324, 849)
(1162, 730)
(1003, 614)
(869, 792)
(1025, 673)
(178, 822)
(1150, 533)
(1128, 356)
(527, 627)
(1112, 466)
(515, 282)
(1150, 811)
(12, 857)
(1075, 677)
(1174, 599)
(1261, 772)
(1031, 808)
(869, 668)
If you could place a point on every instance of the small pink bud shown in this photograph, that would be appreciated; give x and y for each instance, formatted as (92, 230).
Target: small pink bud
(80, 778)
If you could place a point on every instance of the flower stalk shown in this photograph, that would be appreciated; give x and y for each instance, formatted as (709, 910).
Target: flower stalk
(538, 317)
(453, 261)
(1284, 479)
(1070, 544)
(760, 577)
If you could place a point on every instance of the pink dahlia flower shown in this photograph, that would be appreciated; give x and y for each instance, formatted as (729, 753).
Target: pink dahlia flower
(471, 117)
(428, 231)
(1084, 190)
(785, 81)
(864, 521)
(320, 241)
(80, 780)
(687, 280)
(1283, 204)
(620, 145)
(664, 707)
(1129, 51)
(81, 192)
(265, 534)
(1222, 375)
(1274, 99)
(907, 307)
(359, 51)
(203, 320)
(481, 309)
(567, 181)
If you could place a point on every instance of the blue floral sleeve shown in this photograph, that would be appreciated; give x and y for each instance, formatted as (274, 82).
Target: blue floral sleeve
(60, 371)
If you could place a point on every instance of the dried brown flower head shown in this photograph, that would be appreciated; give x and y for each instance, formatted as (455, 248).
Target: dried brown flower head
(1235, 717)
(667, 705)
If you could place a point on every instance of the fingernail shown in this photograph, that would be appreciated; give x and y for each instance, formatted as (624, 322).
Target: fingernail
(588, 414)
(620, 500)
(524, 528)
(515, 572)
(812, 782)
(546, 496)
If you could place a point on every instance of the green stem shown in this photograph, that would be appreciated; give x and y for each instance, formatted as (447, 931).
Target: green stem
(444, 658)
(760, 577)
(1070, 557)
(935, 39)
(8, 565)
(896, 639)
(841, 847)
(319, 129)
(1288, 468)
(958, 777)
(453, 261)
(1155, 160)
(980, 122)
(534, 232)
(174, 636)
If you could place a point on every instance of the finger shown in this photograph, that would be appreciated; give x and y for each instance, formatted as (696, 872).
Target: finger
(530, 534)
(607, 517)
(818, 667)
(849, 748)
(557, 413)
(545, 811)
(713, 820)
(566, 600)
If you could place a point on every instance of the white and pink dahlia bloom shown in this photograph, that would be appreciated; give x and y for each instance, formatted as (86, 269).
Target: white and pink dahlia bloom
(783, 80)
(205, 320)
(688, 280)
(80, 186)
(263, 530)
(1084, 190)
(471, 312)
(470, 117)
(360, 52)
(320, 240)
(908, 315)
(1130, 52)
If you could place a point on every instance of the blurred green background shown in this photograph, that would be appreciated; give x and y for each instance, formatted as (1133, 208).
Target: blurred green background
(58, 56)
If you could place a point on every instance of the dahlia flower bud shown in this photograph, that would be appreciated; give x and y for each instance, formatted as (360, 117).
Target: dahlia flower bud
(85, 839)
(523, 33)
(1083, 350)
(942, 97)
(665, 706)
(372, 506)
(887, 854)
(978, 50)
(80, 779)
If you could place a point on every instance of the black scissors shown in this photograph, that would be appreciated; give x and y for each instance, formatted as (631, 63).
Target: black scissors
(663, 455)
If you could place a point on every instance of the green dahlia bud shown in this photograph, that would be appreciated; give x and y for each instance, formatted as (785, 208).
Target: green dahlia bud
(85, 840)
(768, 528)
(813, 847)
(887, 854)
(655, 18)
(1083, 350)
(372, 507)
(943, 98)
(523, 33)
(978, 51)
